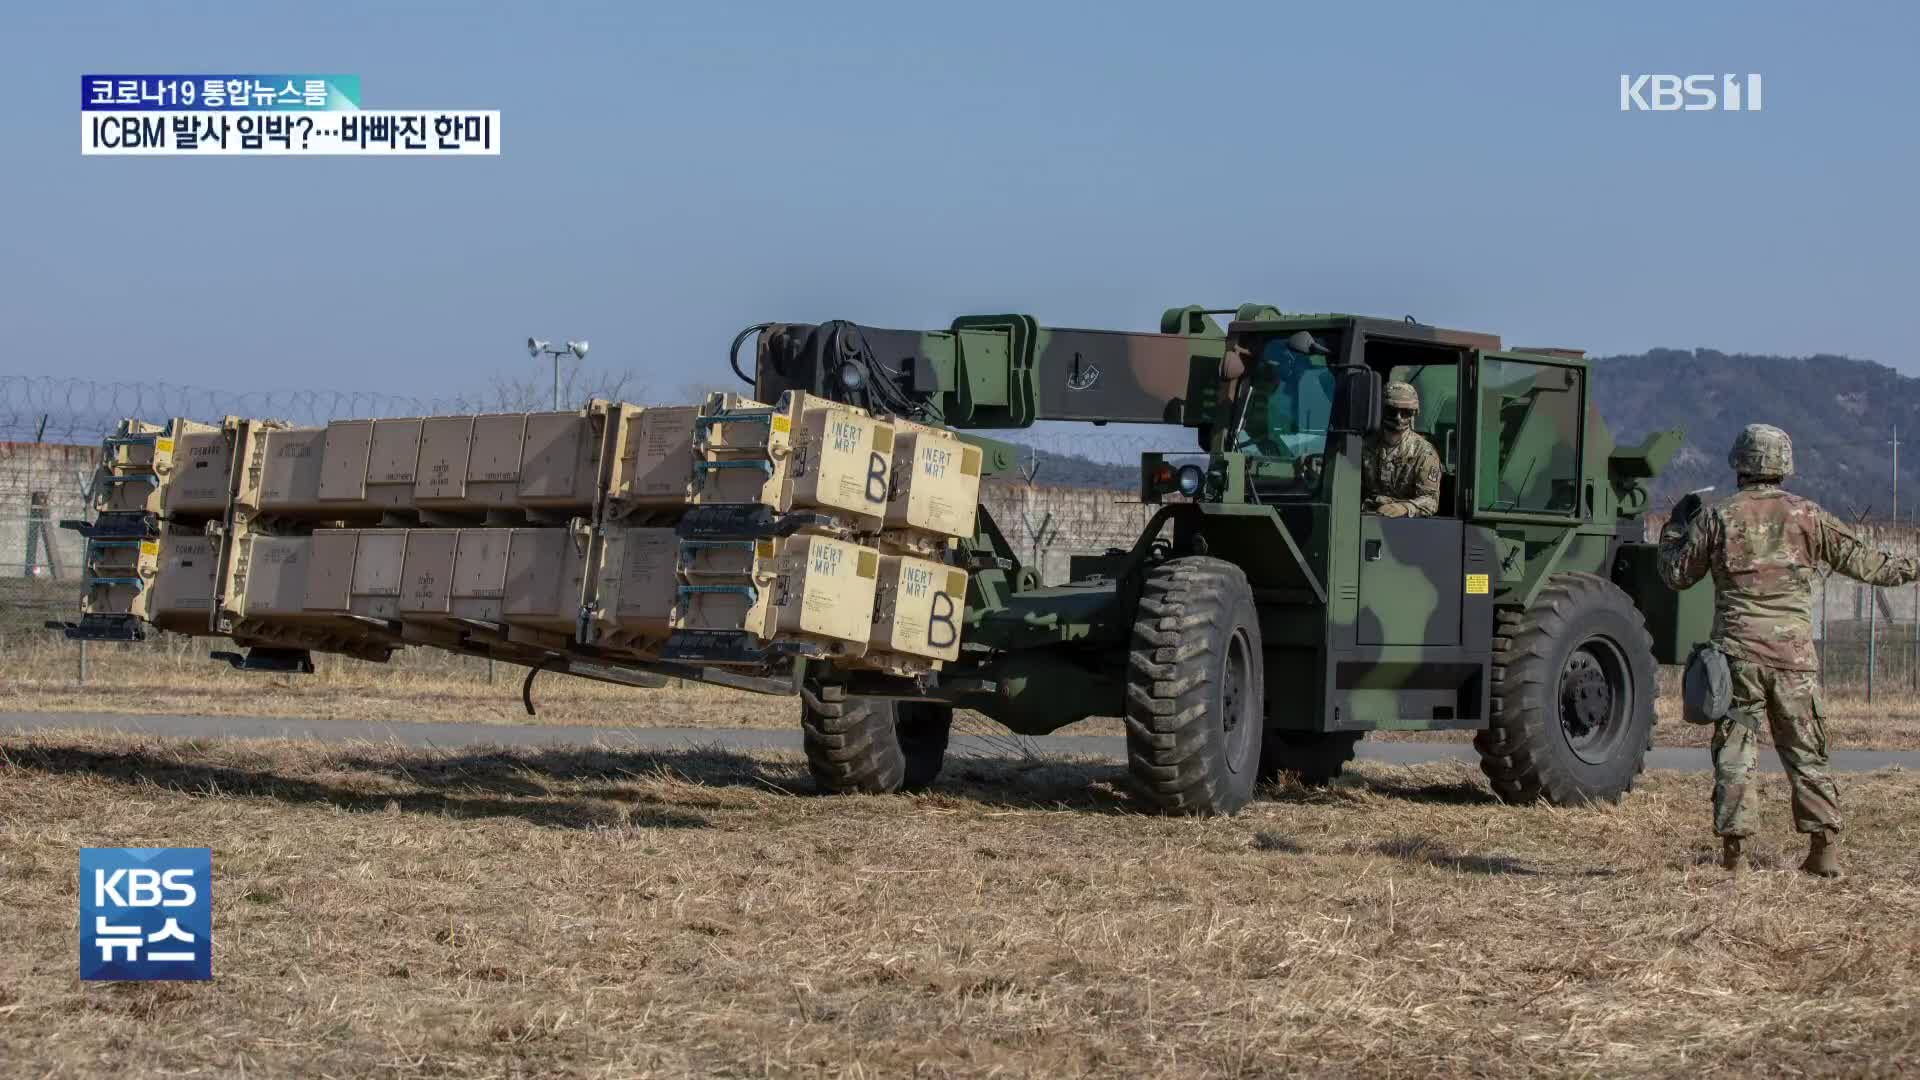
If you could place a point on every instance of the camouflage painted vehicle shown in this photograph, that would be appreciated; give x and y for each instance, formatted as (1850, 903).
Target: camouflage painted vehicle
(1262, 623)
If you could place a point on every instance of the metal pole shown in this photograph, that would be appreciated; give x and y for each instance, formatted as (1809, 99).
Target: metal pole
(556, 382)
(1873, 625)
(1872, 592)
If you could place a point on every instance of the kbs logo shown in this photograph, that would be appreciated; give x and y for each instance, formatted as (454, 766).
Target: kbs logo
(146, 913)
(1689, 93)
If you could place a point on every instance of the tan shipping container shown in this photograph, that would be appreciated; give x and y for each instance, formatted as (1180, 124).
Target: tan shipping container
(656, 462)
(559, 461)
(823, 588)
(936, 482)
(202, 472)
(635, 590)
(546, 576)
(297, 591)
(329, 575)
(378, 565)
(180, 597)
(270, 577)
(918, 608)
(119, 576)
(426, 574)
(288, 483)
(480, 574)
(138, 463)
(454, 574)
(369, 465)
(543, 460)
(807, 453)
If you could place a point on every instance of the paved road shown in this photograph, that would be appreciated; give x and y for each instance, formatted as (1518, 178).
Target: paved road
(459, 735)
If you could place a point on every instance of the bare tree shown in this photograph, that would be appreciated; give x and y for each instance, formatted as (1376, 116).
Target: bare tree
(697, 392)
(578, 384)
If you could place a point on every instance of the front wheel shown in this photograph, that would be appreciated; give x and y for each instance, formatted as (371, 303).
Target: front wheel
(871, 746)
(1573, 690)
(1195, 688)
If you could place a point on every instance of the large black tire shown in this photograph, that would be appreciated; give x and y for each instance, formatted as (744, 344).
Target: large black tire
(1312, 757)
(1195, 688)
(871, 746)
(1573, 690)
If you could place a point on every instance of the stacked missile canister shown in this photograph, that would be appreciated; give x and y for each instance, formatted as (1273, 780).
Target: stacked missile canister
(733, 534)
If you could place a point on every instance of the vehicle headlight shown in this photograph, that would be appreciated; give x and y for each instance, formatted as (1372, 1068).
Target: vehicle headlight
(1189, 480)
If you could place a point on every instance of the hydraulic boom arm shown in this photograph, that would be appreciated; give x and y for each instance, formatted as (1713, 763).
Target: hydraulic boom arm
(1003, 371)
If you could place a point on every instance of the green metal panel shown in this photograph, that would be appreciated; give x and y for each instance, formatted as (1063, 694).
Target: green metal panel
(1677, 620)
(1409, 581)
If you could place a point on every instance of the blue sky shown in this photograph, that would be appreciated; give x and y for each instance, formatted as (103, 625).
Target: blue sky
(671, 173)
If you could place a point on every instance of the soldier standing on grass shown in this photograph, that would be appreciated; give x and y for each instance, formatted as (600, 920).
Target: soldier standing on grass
(1399, 468)
(1763, 545)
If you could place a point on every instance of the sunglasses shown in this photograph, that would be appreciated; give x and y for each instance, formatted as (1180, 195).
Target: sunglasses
(1403, 412)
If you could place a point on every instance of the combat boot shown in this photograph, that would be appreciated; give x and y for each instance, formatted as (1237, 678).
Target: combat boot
(1823, 855)
(1733, 854)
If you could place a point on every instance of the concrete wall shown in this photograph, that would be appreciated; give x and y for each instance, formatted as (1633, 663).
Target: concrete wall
(59, 476)
(1047, 525)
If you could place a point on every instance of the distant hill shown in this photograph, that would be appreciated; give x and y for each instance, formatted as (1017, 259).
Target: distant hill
(1840, 412)
(1054, 469)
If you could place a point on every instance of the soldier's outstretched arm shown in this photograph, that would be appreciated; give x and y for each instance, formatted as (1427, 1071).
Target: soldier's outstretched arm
(1686, 548)
(1859, 560)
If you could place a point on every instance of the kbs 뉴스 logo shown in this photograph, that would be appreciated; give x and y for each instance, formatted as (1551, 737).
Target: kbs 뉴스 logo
(146, 913)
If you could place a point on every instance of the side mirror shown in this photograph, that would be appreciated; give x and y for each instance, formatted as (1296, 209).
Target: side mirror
(1356, 401)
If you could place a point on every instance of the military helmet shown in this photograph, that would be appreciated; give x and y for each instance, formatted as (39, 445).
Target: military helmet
(1762, 450)
(1401, 395)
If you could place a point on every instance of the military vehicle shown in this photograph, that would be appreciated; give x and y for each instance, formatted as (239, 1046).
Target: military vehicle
(1261, 624)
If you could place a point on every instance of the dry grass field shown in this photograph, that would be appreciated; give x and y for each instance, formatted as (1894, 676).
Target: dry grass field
(175, 676)
(386, 912)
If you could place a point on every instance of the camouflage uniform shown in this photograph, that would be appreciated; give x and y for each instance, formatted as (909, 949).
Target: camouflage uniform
(1399, 468)
(1763, 545)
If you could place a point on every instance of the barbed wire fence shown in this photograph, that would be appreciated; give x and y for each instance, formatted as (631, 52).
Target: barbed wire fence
(80, 411)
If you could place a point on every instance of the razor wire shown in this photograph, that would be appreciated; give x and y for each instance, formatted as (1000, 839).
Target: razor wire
(60, 410)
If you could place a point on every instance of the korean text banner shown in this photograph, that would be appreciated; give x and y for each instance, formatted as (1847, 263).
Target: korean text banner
(219, 93)
(395, 132)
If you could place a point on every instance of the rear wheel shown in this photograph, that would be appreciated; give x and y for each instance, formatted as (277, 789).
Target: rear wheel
(1573, 690)
(1312, 757)
(1195, 688)
(866, 745)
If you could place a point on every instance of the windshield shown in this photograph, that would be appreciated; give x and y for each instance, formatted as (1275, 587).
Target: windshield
(1287, 403)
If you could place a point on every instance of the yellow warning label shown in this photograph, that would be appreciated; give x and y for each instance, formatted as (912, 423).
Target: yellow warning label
(782, 424)
(763, 549)
(149, 547)
(1476, 584)
(164, 446)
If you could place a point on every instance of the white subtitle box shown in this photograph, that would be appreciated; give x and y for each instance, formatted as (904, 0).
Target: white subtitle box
(388, 132)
